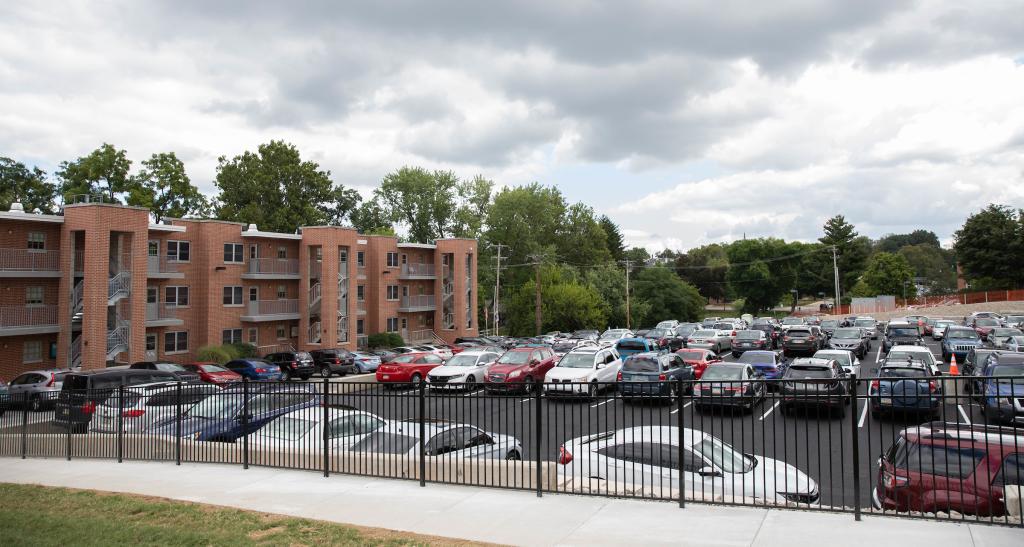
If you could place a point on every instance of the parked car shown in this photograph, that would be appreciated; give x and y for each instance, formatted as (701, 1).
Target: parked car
(709, 322)
(736, 385)
(1014, 343)
(293, 364)
(746, 340)
(611, 336)
(665, 338)
(852, 339)
(769, 363)
(950, 467)
(259, 370)
(561, 347)
(83, 390)
(365, 361)
(959, 341)
(845, 358)
(788, 322)
(212, 373)
(521, 369)
(5, 398)
(714, 340)
(408, 368)
(915, 353)
(771, 332)
(867, 323)
(445, 352)
(904, 387)
(632, 346)
(829, 326)
(805, 339)
(654, 375)
(37, 388)
(973, 369)
(177, 370)
(939, 330)
(237, 411)
(585, 334)
(698, 360)
(983, 326)
(901, 334)
(669, 324)
(385, 355)
(466, 370)
(997, 337)
(815, 383)
(329, 362)
(1014, 320)
(648, 455)
(1002, 396)
(304, 429)
(146, 405)
(448, 440)
(585, 371)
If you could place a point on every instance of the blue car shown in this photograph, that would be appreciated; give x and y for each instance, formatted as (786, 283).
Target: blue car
(959, 341)
(366, 362)
(1003, 395)
(634, 346)
(769, 363)
(219, 417)
(259, 370)
(905, 388)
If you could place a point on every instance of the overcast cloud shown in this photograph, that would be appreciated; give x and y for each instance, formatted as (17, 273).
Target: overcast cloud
(686, 122)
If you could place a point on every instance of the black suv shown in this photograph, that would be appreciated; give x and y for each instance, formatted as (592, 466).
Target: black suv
(815, 383)
(82, 391)
(177, 370)
(334, 361)
(293, 364)
(901, 334)
(805, 339)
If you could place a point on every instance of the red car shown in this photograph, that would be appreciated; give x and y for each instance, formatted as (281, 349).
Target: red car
(212, 373)
(520, 369)
(698, 359)
(983, 326)
(950, 467)
(408, 368)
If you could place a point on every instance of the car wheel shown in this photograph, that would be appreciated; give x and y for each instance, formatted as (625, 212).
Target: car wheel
(416, 379)
(592, 391)
(35, 404)
(325, 371)
(513, 455)
(286, 376)
(471, 382)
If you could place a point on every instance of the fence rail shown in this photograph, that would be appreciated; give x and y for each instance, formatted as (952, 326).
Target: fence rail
(277, 266)
(418, 270)
(159, 264)
(418, 301)
(29, 260)
(273, 307)
(27, 316)
(900, 446)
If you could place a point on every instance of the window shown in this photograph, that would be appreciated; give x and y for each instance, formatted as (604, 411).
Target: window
(392, 324)
(254, 294)
(233, 253)
(253, 335)
(282, 252)
(175, 342)
(36, 241)
(33, 296)
(1012, 471)
(392, 292)
(178, 251)
(282, 292)
(405, 323)
(176, 296)
(254, 252)
(153, 248)
(32, 351)
(944, 461)
(360, 329)
(405, 259)
(281, 333)
(151, 295)
(150, 342)
(361, 259)
(361, 293)
(231, 336)
(233, 295)
(392, 260)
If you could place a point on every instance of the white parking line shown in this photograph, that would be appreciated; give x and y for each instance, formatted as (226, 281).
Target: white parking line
(769, 411)
(604, 403)
(684, 406)
(863, 415)
(526, 400)
(878, 355)
(963, 414)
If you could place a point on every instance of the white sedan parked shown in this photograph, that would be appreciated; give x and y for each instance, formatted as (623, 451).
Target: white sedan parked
(584, 370)
(303, 429)
(443, 439)
(844, 357)
(463, 371)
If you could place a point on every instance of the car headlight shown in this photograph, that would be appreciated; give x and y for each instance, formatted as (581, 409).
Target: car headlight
(515, 374)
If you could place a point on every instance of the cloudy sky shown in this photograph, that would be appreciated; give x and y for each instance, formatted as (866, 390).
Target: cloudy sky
(686, 122)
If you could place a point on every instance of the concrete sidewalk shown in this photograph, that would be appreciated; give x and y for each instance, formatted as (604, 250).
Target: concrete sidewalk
(498, 516)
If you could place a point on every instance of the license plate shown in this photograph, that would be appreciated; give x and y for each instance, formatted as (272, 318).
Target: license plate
(716, 391)
(386, 377)
(886, 400)
(747, 344)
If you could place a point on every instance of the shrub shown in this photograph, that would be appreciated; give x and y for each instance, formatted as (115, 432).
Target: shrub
(215, 354)
(230, 350)
(244, 350)
(384, 340)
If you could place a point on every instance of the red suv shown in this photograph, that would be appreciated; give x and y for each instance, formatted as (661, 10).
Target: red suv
(520, 369)
(408, 368)
(950, 467)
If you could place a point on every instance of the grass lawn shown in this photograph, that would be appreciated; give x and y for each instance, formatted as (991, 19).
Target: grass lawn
(39, 515)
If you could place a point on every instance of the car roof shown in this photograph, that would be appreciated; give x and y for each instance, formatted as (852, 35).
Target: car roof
(810, 362)
(912, 349)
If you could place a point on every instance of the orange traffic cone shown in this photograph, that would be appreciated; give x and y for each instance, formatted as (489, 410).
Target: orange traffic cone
(953, 369)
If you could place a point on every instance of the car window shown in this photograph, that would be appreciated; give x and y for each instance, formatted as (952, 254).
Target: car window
(641, 453)
(366, 424)
(341, 427)
(1011, 472)
(431, 359)
(641, 364)
(808, 372)
(385, 443)
(189, 396)
(443, 443)
(944, 461)
(287, 428)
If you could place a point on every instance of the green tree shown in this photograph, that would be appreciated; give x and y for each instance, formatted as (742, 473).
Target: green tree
(369, 218)
(566, 305)
(275, 189)
(853, 250)
(933, 264)
(610, 283)
(613, 236)
(423, 201)
(705, 268)
(889, 274)
(105, 171)
(474, 203)
(580, 240)
(526, 219)
(669, 296)
(165, 189)
(892, 243)
(28, 187)
(991, 245)
(757, 273)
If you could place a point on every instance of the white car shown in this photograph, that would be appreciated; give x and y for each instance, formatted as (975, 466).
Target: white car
(939, 328)
(611, 336)
(915, 353)
(1014, 343)
(670, 324)
(584, 371)
(147, 405)
(844, 357)
(647, 455)
(443, 439)
(463, 371)
(303, 429)
(441, 351)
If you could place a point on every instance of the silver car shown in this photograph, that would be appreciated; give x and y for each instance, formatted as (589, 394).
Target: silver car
(998, 336)
(147, 405)
(714, 340)
(939, 328)
(38, 387)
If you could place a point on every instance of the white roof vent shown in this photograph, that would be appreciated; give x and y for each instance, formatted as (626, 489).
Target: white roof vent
(17, 208)
(251, 228)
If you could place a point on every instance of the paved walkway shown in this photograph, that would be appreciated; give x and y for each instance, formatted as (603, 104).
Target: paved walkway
(498, 516)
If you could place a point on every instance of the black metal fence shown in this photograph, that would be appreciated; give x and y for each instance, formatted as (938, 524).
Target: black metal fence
(941, 447)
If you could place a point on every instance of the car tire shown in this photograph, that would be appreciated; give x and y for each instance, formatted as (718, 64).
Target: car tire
(415, 379)
(325, 371)
(513, 455)
(35, 404)
(286, 376)
(471, 383)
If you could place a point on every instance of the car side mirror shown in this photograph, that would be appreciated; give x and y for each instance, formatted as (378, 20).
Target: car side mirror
(709, 472)
(601, 365)
(534, 363)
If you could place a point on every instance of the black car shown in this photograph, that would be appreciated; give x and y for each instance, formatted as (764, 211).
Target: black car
(736, 385)
(815, 383)
(334, 361)
(851, 338)
(293, 364)
(82, 391)
(829, 326)
(802, 339)
(901, 334)
(747, 340)
(174, 368)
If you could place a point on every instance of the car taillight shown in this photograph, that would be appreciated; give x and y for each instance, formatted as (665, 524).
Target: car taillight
(891, 480)
(261, 370)
(293, 364)
(875, 384)
(618, 377)
(933, 386)
(734, 333)
(564, 456)
(785, 339)
(337, 361)
(136, 413)
(89, 407)
(810, 338)
(662, 377)
(53, 378)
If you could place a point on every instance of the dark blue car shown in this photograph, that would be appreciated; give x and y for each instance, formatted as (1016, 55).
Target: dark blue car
(1003, 395)
(255, 369)
(905, 388)
(230, 414)
(648, 375)
(769, 363)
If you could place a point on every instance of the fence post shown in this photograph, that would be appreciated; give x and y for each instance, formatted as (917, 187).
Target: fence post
(539, 436)
(326, 439)
(680, 451)
(177, 425)
(855, 443)
(120, 423)
(24, 425)
(245, 422)
(421, 394)
(71, 425)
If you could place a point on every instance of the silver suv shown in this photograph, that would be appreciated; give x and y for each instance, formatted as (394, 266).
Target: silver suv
(38, 387)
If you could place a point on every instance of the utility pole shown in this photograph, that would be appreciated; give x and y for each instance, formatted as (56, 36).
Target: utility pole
(537, 258)
(629, 266)
(497, 289)
(835, 272)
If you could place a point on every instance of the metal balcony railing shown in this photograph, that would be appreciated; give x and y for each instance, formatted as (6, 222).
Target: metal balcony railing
(314, 333)
(420, 301)
(418, 270)
(29, 260)
(117, 339)
(360, 306)
(27, 316)
(274, 266)
(158, 264)
(314, 294)
(156, 311)
(119, 286)
(342, 330)
(273, 307)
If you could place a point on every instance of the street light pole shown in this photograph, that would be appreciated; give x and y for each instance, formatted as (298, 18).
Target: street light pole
(497, 290)
(835, 272)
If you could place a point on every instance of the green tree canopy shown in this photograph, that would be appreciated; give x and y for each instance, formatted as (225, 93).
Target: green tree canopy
(421, 200)
(991, 245)
(853, 250)
(105, 171)
(892, 243)
(933, 264)
(28, 187)
(705, 268)
(369, 218)
(581, 240)
(527, 220)
(165, 189)
(475, 196)
(613, 236)
(669, 296)
(888, 274)
(566, 305)
(758, 276)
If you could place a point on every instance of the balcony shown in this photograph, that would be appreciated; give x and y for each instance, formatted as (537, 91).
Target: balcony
(272, 268)
(360, 271)
(423, 302)
(418, 271)
(271, 310)
(158, 267)
(361, 307)
(29, 263)
(22, 320)
(162, 315)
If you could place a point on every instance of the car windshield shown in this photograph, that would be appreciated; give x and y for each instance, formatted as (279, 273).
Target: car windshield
(842, 356)
(755, 358)
(217, 407)
(944, 323)
(515, 358)
(723, 456)
(656, 333)
(829, 323)
(213, 368)
(287, 428)
(900, 372)
(901, 355)
(462, 361)
(903, 331)
(1016, 370)
(961, 334)
(847, 333)
(641, 364)
(986, 323)
(749, 335)
(792, 321)
(864, 323)
(691, 355)
(704, 333)
(721, 372)
(808, 372)
(797, 333)
(577, 360)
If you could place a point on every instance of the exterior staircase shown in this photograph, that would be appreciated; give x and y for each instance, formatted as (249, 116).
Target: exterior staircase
(119, 286)
(117, 339)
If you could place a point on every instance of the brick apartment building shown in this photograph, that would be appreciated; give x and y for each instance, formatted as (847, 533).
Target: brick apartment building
(100, 285)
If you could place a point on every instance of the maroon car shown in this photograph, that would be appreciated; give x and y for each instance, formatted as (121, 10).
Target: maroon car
(950, 467)
(212, 373)
(520, 369)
